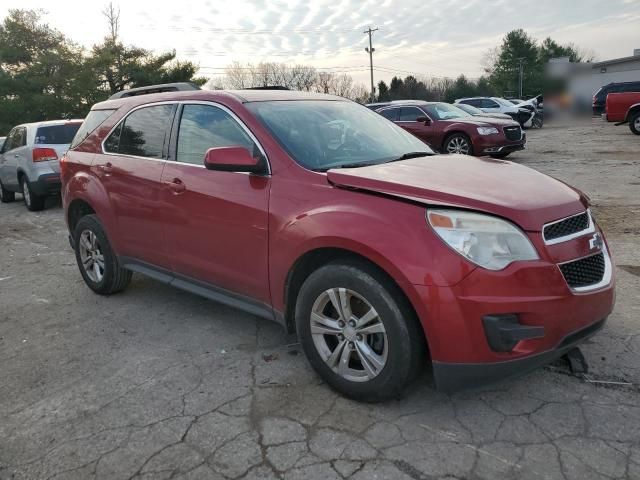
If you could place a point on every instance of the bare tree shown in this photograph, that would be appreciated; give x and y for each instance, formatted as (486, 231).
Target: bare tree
(113, 18)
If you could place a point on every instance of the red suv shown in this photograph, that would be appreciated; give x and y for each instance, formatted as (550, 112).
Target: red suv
(450, 129)
(318, 213)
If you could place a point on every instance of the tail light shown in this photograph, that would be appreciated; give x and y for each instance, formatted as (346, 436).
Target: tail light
(44, 154)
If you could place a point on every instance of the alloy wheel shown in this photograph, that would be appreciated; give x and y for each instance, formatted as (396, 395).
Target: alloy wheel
(349, 334)
(26, 194)
(636, 123)
(91, 256)
(458, 145)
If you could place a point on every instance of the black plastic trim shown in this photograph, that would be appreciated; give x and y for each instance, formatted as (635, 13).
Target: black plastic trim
(201, 289)
(454, 377)
(46, 184)
(504, 331)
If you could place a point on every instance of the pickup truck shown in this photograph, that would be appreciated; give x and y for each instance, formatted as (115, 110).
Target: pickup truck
(624, 108)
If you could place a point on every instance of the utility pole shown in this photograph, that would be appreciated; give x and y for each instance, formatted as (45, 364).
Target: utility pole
(370, 50)
(520, 74)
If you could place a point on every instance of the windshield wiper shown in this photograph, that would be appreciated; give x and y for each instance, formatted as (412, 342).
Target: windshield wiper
(348, 165)
(409, 155)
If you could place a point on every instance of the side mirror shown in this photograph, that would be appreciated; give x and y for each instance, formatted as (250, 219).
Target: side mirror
(425, 120)
(232, 159)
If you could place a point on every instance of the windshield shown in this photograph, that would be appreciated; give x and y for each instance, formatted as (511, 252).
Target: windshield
(321, 134)
(444, 111)
(504, 102)
(469, 109)
(56, 134)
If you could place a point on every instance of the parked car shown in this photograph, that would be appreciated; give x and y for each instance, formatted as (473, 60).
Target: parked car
(476, 112)
(523, 116)
(315, 212)
(29, 160)
(449, 129)
(624, 108)
(600, 97)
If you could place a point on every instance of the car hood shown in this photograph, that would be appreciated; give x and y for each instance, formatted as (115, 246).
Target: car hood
(520, 194)
(484, 121)
(497, 118)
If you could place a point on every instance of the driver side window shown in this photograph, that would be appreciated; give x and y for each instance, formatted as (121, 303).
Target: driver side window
(203, 127)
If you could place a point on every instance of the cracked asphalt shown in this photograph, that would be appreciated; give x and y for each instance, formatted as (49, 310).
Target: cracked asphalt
(155, 383)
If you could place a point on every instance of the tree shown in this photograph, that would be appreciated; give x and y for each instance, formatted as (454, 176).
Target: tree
(383, 91)
(549, 49)
(117, 66)
(517, 46)
(38, 72)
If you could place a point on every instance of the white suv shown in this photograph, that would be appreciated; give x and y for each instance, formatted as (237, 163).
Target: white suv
(29, 160)
(491, 105)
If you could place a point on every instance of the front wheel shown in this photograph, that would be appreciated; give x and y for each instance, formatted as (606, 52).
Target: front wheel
(98, 264)
(358, 332)
(33, 202)
(634, 123)
(458, 143)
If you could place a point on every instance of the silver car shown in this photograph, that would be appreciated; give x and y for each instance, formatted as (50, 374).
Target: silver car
(30, 160)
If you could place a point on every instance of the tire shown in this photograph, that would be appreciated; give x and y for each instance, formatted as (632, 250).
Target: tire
(634, 123)
(5, 195)
(396, 349)
(33, 202)
(104, 276)
(454, 144)
(500, 155)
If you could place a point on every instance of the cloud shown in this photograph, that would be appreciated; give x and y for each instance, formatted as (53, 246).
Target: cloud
(428, 37)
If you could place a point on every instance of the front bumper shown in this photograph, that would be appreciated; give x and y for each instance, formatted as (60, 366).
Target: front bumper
(504, 148)
(452, 377)
(555, 318)
(46, 184)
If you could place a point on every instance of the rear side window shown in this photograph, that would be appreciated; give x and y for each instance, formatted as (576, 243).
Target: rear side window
(17, 138)
(390, 113)
(142, 133)
(488, 103)
(93, 121)
(203, 127)
(409, 114)
(56, 134)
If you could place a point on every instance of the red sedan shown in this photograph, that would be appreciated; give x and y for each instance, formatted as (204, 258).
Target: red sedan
(450, 129)
(319, 214)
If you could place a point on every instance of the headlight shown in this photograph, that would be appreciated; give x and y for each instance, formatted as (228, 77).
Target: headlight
(487, 130)
(487, 241)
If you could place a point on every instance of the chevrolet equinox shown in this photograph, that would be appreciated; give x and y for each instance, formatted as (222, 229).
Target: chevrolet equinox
(315, 212)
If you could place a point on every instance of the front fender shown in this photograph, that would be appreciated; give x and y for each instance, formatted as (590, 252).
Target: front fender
(391, 233)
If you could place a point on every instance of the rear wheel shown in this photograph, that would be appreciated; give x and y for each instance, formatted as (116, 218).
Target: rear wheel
(32, 201)
(357, 332)
(98, 264)
(5, 195)
(458, 143)
(634, 123)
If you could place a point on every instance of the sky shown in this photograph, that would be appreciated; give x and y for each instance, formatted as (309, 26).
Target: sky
(421, 37)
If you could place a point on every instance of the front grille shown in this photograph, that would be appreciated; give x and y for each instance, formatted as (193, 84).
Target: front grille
(566, 227)
(584, 272)
(513, 133)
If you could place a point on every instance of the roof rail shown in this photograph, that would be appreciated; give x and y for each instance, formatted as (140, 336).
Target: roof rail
(268, 87)
(164, 87)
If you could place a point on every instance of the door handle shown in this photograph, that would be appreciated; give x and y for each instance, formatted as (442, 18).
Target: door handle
(107, 168)
(176, 186)
(17, 156)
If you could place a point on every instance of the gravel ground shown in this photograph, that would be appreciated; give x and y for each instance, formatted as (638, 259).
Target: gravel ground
(156, 383)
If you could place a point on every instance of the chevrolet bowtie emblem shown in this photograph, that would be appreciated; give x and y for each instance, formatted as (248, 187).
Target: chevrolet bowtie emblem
(596, 242)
